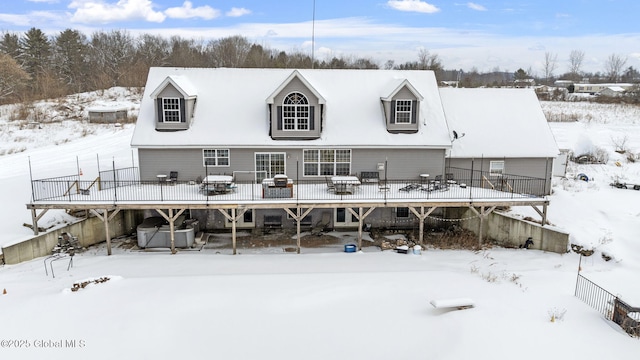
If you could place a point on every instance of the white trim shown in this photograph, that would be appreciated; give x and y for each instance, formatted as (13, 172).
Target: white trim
(496, 165)
(216, 157)
(241, 223)
(318, 162)
(165, 110)
(266, 173)
(409, 112)
(347, 216)
(296, 109)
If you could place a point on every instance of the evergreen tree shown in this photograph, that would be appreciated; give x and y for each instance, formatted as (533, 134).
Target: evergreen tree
(35, 52)
(10, 45)
(69, 59)
(35, 56)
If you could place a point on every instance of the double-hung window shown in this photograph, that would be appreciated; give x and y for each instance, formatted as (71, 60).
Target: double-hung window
(215, 157)
(171, 110)
(496, 168)
(327, 162)
(295, 112)
(403, 111)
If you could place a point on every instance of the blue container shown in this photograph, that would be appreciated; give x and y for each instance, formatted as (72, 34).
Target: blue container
(350, 248)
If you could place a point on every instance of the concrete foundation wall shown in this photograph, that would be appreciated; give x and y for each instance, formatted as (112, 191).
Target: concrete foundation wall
(512, 232)
(89, 232)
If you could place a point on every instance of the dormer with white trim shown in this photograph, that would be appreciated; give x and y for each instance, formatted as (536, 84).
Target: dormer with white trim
(401, 107)
(175, 100)
(296, 110)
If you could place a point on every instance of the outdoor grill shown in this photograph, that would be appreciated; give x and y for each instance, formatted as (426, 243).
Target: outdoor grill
(280, 181)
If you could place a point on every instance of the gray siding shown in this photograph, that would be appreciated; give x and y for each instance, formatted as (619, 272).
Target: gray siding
(539, 168)
(401, 164)
(296, 86)
(403, 94)
(189, 107)
(107, 116)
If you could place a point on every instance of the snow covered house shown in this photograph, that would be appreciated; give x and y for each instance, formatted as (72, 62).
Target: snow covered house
(395, 129)
(501, 132)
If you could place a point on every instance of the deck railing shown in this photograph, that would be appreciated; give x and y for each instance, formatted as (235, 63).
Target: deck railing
(73, 189)
(609, 305)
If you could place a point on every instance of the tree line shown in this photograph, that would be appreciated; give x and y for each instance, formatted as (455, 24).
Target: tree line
(35, 66)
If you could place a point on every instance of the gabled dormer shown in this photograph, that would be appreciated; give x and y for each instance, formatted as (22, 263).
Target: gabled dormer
(175, 100)
(401, 107)
(295, 110)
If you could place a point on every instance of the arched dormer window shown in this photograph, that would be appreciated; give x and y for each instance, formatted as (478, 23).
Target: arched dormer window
(295, 112)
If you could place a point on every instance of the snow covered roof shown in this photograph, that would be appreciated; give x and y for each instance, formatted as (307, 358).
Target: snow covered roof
(398, 84)
(107, 108)
(497, 123)
(232, 108)
(615, 89)
(181, 83)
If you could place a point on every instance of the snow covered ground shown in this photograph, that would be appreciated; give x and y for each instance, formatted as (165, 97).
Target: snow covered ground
(319, 305)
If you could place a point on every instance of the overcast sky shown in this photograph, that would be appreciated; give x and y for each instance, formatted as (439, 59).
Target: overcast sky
(483, 34)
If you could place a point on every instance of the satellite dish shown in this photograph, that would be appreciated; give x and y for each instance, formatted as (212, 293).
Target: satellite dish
(456, 136)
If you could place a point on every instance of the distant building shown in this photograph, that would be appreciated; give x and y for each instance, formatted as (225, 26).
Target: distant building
(596, 88)
(563, 83)
(524, 83)
(612, 91)
(107, 114)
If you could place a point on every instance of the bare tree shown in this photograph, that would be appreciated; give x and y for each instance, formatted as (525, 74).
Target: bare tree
(613, 66)
(576, 57)
(258, 57)
(549, 66)
(389, 64)
(111, 54)
(230, 51)
(428, 61)
(13, 79)
(186, 53)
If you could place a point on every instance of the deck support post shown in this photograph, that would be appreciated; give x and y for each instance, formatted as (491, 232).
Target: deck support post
(482, 214)
(298, 216)
(105, 217)
(35, 218)
(360, 216)
(233, 217)
(422, 215)
(171, 218)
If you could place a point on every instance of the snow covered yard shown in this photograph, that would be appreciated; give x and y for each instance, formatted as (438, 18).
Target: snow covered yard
(372, 305)
(319, 305)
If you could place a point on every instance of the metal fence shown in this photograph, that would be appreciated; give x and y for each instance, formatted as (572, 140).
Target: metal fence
(502, 182)
(72, 189)
(609, 305)
(113, 178)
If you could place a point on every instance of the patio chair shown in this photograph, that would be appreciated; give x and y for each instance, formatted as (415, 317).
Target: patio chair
(382, 186)
(173, 177)
(330, 186)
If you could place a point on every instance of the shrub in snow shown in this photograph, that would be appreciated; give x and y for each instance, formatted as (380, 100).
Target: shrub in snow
(556, 314)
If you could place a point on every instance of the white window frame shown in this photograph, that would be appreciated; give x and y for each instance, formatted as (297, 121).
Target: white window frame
(171, 110)
(349, 219)
(241, 221)
(325, 159)
(296, 112)
(262, 174)
(496, 168)
(403, 111)
(218, 154)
